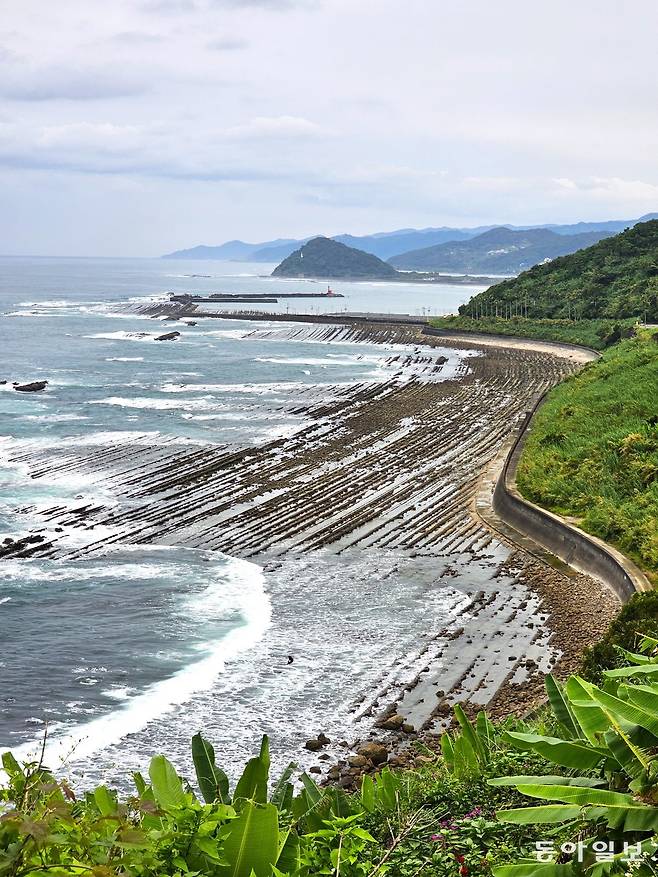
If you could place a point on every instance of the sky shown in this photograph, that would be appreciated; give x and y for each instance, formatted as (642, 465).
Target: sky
(135, 127)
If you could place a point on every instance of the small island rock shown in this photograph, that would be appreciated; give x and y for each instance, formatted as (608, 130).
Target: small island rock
(33, 387)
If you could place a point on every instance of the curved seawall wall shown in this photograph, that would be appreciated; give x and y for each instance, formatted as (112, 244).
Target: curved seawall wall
(570, 544)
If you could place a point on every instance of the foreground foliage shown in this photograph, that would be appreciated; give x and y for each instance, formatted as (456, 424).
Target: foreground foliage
(606, 791)
(598, 334)
(423, 821)
(579, 778)
(638, 617)
(592, 452)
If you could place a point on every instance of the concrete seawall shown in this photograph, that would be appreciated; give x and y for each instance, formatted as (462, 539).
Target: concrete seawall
(501, 505)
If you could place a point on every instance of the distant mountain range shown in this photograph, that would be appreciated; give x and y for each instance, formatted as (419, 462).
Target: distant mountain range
(327, 258)
(498, 251)
(387, 245)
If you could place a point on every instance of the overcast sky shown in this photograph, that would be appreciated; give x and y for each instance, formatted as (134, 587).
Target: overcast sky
(133, 127)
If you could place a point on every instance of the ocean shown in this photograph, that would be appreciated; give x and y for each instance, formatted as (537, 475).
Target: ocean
(127, 653)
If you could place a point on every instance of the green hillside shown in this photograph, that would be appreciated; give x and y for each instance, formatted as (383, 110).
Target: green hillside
(323, 257)
(592, 452)
(497, 251)
(616, 278)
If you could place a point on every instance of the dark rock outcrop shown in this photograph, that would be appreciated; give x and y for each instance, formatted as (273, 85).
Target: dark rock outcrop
(33, 387)
(375, 752)
(168, 336)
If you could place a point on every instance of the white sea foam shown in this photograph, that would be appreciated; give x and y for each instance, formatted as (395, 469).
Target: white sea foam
(244, 584)
(157, 404)
(55, 303)
(124, 359)
(282, 387)
(237, 334)
(120, 335)
(332, 359)
(109, 437)
(54, 418)
(37, 571)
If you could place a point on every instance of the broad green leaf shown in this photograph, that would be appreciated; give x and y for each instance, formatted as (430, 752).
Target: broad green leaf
(387, 786)
(632, 658)
(631, 758)
(140, 783)
(551, 780)
(339, 803)
(560, 707)
(644, 696)
(311, 788)
(448, 751)
(485, 731)
(283, 791)
(212, 780)
(534, 869)
(368, 793)
(167, 785)
(581, 795)
(547, 814)
(466, 760)
(625, 672)
(567, 753)
(11, 766)
(648, 644)
(469, 733)
(252, 784)
(623, 710)
(289, 860)
(587, 713)
(105, 801)
(619, 810)
(251, 842)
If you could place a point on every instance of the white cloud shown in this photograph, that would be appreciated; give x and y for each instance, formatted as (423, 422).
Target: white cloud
(281, 117)
(273, 127)
(57, 83)
(227, 44)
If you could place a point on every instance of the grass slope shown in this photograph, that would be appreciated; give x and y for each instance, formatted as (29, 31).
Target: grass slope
(589, 333)
(616, 278)
(592, 452)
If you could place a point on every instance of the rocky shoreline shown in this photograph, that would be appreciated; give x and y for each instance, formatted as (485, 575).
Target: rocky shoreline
(382, 467)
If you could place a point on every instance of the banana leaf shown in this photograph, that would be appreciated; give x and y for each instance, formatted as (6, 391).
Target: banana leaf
(167, 785)
(626, 672)
(550, 780)
(561, 709)
(468, 731)
(618, 809)
(251, 842)
(252, 784)
(212, 780)
(534, 869)
(566, 753)
(547, 814)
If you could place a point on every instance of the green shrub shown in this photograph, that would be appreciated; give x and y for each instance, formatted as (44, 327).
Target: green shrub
(638, 618)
